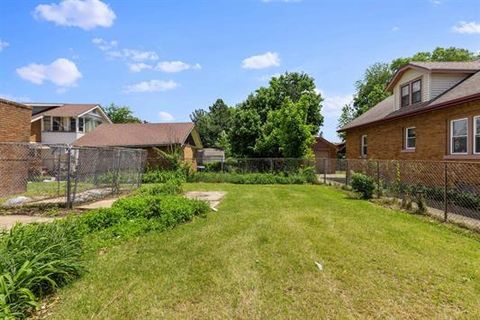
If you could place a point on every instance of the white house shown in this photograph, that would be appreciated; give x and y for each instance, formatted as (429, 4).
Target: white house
(63, 123)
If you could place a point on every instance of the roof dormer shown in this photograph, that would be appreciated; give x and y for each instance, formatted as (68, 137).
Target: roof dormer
(419, 82)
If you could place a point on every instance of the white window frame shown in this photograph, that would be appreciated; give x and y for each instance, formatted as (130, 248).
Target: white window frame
(451, 136)
(475, 151)
(406, 139)
(363, 145)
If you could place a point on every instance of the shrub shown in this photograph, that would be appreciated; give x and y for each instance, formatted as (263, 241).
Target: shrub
(363, 184)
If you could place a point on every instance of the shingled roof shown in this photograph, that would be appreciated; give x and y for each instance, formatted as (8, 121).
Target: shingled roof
(464, 91)
(65, 110)
(137, 135)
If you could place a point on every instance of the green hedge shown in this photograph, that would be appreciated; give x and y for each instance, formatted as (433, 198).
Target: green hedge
(35, 259)
(303, 177)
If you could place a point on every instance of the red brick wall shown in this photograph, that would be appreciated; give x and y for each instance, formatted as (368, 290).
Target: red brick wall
(386, 140)
(14, 127)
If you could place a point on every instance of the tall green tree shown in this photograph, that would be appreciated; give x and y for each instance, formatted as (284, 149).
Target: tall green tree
(296, 88)
(370, 90)
(214, 123)
(245, 130)
(121, 114)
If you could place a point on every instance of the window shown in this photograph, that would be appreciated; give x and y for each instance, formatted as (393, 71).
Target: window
(364, 146)
(73, 125)
(405, 91)
(47, 124)
(411, 93)
(416, 91)
(57, 124)
(476, 141)
(410, 138)
(459, 136)
(80, 124)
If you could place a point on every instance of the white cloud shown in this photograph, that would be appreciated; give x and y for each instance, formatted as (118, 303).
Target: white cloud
(62, 72)
(165, 116)
(15, 98)
(3, 45)
(395, 29)
(104, 45)
(467, 27)
(85, 14)
(436, 2)
(332, 105)
(175, 66)
(151, 86)
(137, 67)
(262, 61)
(134, 55)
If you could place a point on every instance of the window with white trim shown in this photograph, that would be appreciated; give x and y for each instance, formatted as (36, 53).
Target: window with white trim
(476, 132)
(47, 123)
(410, 138)
(459, 136)
(364, 145)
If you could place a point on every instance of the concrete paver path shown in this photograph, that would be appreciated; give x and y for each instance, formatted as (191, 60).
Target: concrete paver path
(7, 222)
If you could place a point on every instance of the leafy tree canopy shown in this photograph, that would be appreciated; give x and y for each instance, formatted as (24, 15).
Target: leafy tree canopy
(274, 121)
(121, 114)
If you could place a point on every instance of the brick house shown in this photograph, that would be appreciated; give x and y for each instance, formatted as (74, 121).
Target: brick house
(183, 136)
(432, 114)
(61, 123)
(324, 149)
(14, 127)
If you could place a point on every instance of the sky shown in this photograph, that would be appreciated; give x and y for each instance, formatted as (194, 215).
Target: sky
(166, 58)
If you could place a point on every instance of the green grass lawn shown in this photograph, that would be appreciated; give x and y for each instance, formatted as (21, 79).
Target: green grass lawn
(255, 259)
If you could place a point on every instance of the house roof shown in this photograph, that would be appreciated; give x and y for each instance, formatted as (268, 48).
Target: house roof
(137, 135)
(14, 104)
(64, 110)
(447, 67)
(378, 112)
(465, 91)
(328, 143)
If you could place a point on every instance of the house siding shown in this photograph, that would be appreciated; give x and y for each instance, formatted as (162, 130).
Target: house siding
(36, 131)
(386, 139)
(14, 127)
(441, 82)
(408, 76)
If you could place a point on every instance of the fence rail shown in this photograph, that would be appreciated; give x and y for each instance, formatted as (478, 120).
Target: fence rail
(62, 174)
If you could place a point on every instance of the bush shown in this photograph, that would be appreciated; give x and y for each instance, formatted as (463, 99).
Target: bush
(363, 184)
(254, 178)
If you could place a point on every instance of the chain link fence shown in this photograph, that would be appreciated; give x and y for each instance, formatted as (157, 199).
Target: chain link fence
(449, 190)
(64, 175)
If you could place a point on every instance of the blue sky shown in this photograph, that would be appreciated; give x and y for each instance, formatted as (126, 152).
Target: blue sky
(166, 58)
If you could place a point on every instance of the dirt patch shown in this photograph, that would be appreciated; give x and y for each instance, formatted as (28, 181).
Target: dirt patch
(7, 222)
(212, 197)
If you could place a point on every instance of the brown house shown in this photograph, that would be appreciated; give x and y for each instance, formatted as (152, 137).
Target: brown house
(148, 136)
(432, 114)
(14, 127)
(325, 154)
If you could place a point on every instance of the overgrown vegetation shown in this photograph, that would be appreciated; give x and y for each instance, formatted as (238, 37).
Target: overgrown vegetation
(36, 259)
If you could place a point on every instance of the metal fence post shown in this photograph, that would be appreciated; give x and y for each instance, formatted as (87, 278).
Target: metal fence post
(69, 176)
(325, 171)
(378, 179)
(445, 193)
(346, 172)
